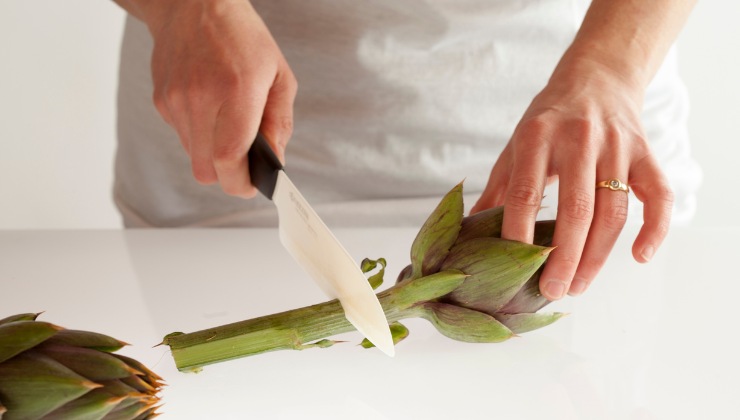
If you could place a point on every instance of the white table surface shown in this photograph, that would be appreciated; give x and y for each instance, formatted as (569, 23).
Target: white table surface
(655, 341)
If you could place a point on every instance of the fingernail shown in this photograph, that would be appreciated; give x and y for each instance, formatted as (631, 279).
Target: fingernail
(554, 289)
(577, 287)
(648, 252)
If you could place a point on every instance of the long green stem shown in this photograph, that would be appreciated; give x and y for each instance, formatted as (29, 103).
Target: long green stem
(298, 328)
(282, 331)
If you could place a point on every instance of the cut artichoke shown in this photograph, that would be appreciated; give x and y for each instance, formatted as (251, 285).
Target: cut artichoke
(48, 372)
(469, 283)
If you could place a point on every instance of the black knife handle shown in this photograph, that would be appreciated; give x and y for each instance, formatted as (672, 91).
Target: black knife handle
(263, 166)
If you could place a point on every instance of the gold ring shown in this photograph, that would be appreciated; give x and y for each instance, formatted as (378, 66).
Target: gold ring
(613, 184)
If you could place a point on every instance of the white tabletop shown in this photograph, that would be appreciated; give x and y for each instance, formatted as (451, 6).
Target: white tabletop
(655, 341)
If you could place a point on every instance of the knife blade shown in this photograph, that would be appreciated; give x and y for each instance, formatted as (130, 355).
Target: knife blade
(310, 242)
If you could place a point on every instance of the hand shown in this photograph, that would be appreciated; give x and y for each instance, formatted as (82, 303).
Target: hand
(584, 127)
(218, 78)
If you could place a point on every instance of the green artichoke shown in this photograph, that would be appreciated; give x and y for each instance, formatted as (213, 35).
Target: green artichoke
(468, 282)
(48, 372)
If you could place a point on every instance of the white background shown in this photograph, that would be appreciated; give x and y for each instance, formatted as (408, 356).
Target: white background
(57, 111)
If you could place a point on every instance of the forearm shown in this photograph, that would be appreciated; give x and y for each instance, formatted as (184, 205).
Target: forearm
(133, 7)
(628, 37)
(155, 13)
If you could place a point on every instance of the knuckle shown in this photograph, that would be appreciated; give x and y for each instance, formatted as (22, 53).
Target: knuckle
(662, 197)
(291, 83)
(568, 260)
(228, 154)
(577, 208)
(582, 136)
(614, 139)
(665, 194)
(582, 128)
(524, 195)
(285, 125)
(171, 99)
(229, 81)
(662, 229)
(160, 102)
(533, 129)
(278, 127)
(615, 216)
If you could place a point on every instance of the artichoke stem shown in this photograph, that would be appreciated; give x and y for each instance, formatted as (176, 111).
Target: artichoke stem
(282, 331)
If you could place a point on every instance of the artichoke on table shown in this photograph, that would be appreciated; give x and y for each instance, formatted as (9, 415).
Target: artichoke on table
(48, 372)
(469, 283)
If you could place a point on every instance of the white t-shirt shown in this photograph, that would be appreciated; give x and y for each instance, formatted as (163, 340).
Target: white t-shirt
(398, 101)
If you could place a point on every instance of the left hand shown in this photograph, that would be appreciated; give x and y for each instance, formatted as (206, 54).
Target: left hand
(584, 127)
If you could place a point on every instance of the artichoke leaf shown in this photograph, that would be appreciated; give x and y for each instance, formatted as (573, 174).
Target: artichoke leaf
(437, 234)
(464, 324)
(20, 317)
(87, 339)
(398, 333)
(19, 336)
(525, 322)
(367, 265)
(92, 406)
(33, 385)
(484, 224)
(497, 269)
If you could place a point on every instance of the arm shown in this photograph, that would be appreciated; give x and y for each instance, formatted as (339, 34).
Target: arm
(218, 77)
(584, 127)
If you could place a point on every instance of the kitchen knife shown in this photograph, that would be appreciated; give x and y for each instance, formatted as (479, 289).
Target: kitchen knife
(316, 249)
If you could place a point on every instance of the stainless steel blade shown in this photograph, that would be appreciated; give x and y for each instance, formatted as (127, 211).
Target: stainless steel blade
(318, 251)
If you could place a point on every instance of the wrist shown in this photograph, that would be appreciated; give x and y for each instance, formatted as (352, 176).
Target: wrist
(593, 71)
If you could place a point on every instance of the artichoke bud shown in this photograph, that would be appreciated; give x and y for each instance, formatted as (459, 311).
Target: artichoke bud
(496, 268)
(52, 373)
(438, 234)
(464, 324)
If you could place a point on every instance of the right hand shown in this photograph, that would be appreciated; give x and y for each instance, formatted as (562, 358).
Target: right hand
(219, 77)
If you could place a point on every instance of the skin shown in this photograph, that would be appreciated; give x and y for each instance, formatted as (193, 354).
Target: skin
(583, 127)
(210, 88)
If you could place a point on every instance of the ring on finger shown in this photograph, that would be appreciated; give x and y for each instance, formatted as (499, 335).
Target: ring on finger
(613, 184)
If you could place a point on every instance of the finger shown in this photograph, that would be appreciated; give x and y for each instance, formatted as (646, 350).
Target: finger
(495, 191)
(201, 119)
(651, 187)
(575, 213)
(160, 92)
(277, 121)
(168, 102)
(236, 127)
(610, 215)
(524, 191)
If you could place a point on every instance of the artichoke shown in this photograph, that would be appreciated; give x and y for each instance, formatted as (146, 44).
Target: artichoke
(48, 372)
(469, 283)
